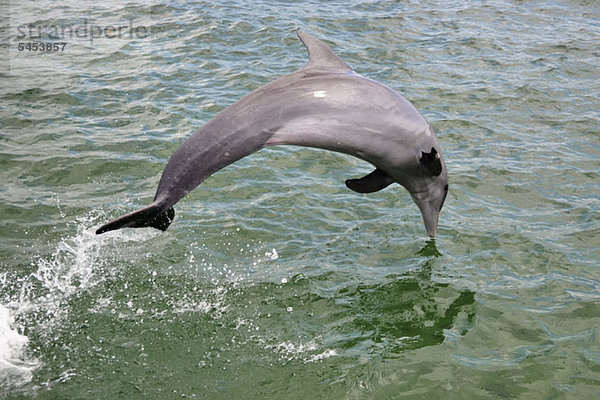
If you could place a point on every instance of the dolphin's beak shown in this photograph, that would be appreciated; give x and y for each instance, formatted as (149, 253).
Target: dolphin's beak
(431, 221)
(430, 216)
(430, 203)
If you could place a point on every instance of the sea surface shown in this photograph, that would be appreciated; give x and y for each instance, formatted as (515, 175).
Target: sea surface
(276, 281)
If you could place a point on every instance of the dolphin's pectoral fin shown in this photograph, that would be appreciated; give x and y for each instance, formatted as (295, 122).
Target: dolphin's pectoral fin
(432, 162)
(373, 182)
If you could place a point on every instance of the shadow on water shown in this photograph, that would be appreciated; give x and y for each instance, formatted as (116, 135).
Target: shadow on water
(413, 310)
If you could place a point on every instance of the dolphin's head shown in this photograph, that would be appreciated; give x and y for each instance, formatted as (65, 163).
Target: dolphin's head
(430, 189)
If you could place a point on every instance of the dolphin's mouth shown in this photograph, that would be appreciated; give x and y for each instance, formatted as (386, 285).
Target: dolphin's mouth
(444, 199)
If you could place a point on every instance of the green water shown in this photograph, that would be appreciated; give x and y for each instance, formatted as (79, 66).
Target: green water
(275, 281)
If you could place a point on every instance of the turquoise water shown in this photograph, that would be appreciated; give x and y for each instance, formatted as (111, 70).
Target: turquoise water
(275, 281)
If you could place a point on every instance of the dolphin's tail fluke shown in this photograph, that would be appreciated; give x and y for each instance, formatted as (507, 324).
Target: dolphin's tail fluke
(149, 216)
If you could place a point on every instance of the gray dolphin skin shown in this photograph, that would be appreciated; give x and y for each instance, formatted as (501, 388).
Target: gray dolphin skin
(325, 105)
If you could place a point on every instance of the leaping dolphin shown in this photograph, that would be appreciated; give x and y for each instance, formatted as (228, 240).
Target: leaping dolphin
(325, 105)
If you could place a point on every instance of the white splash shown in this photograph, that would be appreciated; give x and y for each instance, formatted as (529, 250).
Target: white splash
(321, 356)
(16, 368)
(273, 255)
(320, 93)
(214, 304)
(42, 301)
(302, 351)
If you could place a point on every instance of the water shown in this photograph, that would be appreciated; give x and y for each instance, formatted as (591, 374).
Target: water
(275, 281)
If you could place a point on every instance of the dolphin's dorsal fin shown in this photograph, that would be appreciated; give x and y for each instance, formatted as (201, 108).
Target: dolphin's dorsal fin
(320, 57)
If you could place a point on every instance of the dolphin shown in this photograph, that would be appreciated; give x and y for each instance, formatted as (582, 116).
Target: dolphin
(325, 105)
